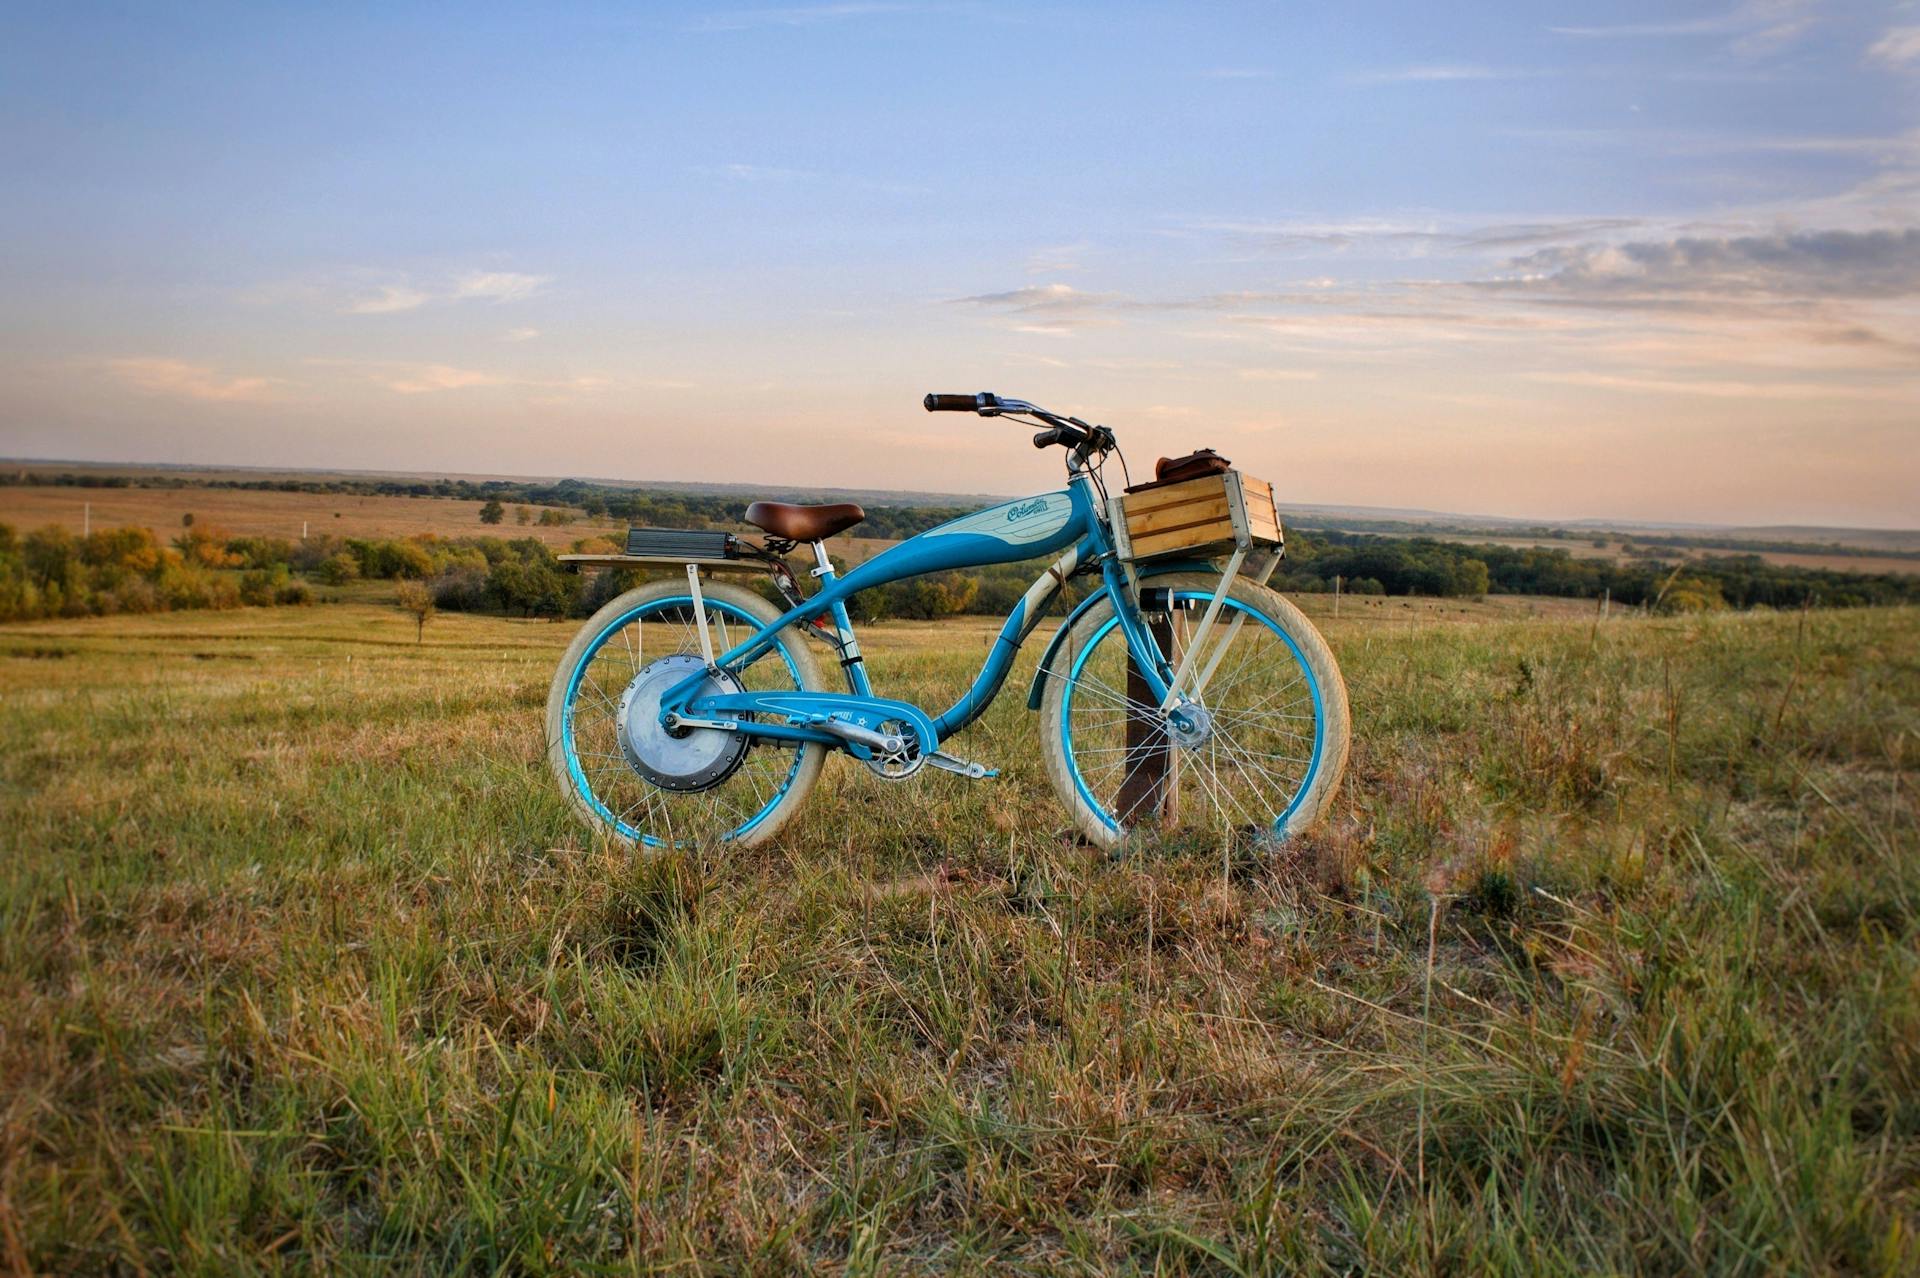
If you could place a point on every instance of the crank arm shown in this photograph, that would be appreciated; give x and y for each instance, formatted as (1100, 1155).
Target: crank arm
(971, 771)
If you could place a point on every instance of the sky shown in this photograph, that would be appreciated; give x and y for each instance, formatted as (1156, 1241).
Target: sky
(1577, 259)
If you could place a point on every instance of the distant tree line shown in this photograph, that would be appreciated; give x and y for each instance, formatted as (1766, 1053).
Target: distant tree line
(675, 509)
(52, 573)
(1643, 542)
(1422, 566)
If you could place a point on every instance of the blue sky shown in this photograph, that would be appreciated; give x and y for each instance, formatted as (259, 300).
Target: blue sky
(1638, 260)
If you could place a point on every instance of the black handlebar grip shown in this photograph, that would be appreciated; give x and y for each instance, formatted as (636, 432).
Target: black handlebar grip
(1047, 438)
(952, 403)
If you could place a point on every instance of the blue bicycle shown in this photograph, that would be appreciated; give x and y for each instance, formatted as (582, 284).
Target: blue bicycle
(1179, 695)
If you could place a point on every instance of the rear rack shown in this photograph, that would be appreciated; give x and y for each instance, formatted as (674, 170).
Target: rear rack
(676, 548)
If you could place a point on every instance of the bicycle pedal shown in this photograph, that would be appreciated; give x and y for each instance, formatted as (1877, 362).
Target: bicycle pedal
(971, 771)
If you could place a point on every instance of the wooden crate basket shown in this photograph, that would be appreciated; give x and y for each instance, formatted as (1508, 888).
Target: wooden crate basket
(1198, 518)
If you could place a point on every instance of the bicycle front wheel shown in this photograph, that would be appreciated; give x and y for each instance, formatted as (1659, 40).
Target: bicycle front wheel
(1276, 728)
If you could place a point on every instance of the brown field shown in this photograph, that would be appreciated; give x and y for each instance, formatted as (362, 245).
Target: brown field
(1841, 563)
(1583, 548)
(250, 513)
(262, 513)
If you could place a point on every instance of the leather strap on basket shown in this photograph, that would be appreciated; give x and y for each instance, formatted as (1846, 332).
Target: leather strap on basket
(1175, 470)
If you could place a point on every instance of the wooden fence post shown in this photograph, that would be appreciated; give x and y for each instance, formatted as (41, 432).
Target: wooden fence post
(1147, 784)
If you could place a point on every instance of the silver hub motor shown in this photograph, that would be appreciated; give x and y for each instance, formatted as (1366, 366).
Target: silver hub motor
(676, 759)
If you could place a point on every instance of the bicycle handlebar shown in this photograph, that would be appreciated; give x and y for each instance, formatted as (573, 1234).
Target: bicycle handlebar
(1070, 432)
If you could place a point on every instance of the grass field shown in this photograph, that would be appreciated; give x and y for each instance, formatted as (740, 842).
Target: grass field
(1607, 964)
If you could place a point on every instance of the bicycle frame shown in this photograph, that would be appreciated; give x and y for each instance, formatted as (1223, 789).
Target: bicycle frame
(1069, 520)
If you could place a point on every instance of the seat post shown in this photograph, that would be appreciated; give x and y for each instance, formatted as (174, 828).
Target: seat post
(820, 558)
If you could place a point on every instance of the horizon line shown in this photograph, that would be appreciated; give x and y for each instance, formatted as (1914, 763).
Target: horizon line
(1592, 523)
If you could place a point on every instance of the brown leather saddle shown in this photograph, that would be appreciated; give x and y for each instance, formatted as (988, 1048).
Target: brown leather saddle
(803, 523)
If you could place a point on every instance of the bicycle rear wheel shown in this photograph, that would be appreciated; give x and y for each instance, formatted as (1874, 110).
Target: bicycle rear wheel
(642, 785)
(1277, 727)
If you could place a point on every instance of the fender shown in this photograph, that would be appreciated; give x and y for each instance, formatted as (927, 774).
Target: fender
(1159, 568)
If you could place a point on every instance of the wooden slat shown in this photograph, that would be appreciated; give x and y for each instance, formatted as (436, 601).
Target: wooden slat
(1185, 515)
(1180, 539)
(1190, 490)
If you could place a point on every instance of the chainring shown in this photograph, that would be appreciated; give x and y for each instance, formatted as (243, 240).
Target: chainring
(904, 762)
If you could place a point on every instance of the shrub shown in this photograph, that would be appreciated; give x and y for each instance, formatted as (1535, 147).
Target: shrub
(462, 588)
(206, 546)
(261, 552)
(185, 585)
(339, 569)
(262, 587)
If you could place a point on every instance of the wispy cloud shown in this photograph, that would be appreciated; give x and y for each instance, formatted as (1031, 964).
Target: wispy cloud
(1899, 47)
(181, 380)
(1756, 27)
(424, 379)
(1277, 375)
(1441, 74)
(797, 15)
(1784, 265)
(1720, 389)
(1046, 299)
(397, 296)
(759, 172)
(498, 286)
(387, 300)
(405, 378)
(1396, 237)
(1891, 148)
(522, 334)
